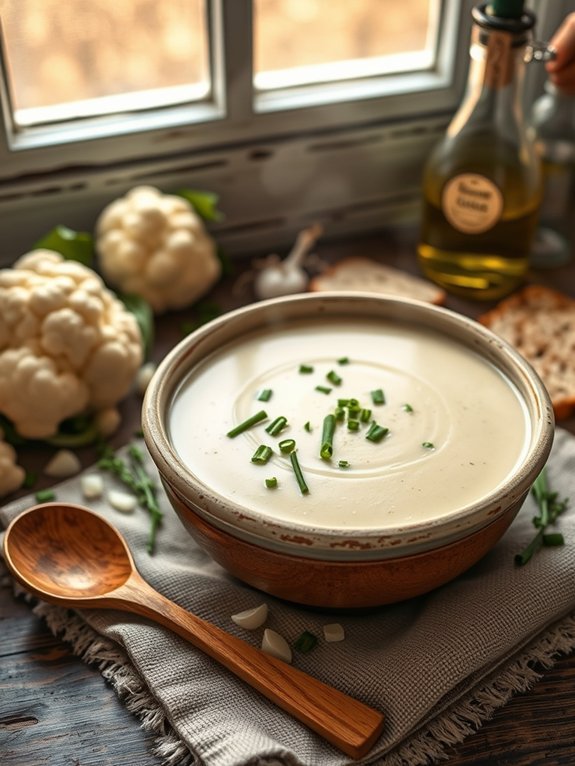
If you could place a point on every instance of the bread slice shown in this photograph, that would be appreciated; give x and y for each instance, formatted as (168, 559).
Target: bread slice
(357, 273)
(540, 323)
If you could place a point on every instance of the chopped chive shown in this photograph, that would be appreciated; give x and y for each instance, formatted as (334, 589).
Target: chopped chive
(307, 427)
(339, 413)
(343, 464)
(407, 408)
(305, 369)
(342, 402)
(45, 495)
(304, 489)
(262, 454)
(287, 445)
(326, 449)
(264, 395)
(428, 445)
(271, 483)
(343, 360)
(30, 479)
(353, 411)
(334, 378)
(277, 426)
(254, 420)
(352, 424)
(353, 403)
(365, 415)
(323, 389)
(553, 538)
(305, 643)
(377, 396)
(376, 433)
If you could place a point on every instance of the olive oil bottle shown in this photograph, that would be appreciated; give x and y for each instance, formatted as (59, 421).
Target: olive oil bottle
(482, 183)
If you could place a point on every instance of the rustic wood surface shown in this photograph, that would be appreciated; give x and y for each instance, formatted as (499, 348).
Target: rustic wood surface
(57, 711)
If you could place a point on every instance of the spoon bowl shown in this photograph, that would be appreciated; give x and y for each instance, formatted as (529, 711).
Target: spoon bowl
(62, 553)
(67, 555)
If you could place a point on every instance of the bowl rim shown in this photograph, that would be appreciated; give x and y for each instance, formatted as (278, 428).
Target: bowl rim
(345, 543)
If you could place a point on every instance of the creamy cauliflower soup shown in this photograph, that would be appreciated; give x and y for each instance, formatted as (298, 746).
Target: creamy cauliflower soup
(453, 426)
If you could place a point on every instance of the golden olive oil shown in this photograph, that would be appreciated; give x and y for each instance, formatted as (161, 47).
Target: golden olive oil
(482, 182)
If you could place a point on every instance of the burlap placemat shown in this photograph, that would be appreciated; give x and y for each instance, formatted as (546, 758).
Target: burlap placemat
(437, 666)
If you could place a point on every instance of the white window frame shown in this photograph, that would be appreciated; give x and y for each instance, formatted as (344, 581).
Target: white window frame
(277, 163)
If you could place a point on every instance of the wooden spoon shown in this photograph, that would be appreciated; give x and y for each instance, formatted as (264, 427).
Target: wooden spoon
(70, 556)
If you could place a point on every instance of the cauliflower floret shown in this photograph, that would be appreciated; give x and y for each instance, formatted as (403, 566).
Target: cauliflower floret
(67, 344)
(11, 474)
(154, 245)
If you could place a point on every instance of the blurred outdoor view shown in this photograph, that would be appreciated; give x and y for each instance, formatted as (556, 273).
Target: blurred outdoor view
(62, 51)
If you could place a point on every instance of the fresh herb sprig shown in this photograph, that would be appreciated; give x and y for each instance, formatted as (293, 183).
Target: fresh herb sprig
(550, 507)
(133, 474)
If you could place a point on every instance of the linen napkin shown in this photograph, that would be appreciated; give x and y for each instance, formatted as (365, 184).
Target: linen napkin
(436, 666)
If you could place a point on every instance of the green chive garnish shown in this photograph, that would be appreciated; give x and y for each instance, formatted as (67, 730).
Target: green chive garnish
(323, 389)
(305, 643)
(343, 464)
(376, 433)
(271, 483)
(334, 378)
(277, 426)
(339, 413)
(326, 449)
(29, 479)
(45, 495)
(553, 538)
(343, 360)
(305, 369)
(264, 395)
(377, 396)
(428, 445)
(287, 445)
(304, 489)
(254, 420)
(307, 427)
(407, 408)
(342, 402)
(365, 415)
(352, 424)
(262, 454)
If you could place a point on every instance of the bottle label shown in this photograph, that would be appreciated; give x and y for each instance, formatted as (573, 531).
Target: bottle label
(472, 203)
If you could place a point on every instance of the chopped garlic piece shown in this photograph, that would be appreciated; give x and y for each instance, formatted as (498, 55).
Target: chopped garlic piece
(92, 486)
(122, 501)
(144, 376)
(64, 463)
(333, 632)
(276, 645)
(251, 618)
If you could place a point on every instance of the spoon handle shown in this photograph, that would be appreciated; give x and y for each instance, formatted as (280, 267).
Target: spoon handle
(342, 720)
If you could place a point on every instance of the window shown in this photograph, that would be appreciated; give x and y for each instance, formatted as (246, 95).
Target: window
(291, 110)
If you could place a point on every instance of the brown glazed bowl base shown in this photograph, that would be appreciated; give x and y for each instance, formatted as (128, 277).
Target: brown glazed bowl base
(341, 585)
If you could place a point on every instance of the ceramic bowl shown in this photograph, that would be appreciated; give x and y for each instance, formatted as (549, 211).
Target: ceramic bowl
(382, 552)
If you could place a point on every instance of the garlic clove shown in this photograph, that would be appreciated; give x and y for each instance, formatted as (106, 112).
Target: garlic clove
(333, 632)
(251, 618)
(276, 645)
(92, 486)
(63, 464)
(122, 501)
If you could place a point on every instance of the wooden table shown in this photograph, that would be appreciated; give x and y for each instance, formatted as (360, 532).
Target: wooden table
(57, 711)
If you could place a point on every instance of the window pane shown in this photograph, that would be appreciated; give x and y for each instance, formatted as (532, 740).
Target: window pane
(301, 42)
(75, 58)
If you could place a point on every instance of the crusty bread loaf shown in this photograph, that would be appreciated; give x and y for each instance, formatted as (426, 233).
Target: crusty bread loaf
(540, 323)
(357, 273)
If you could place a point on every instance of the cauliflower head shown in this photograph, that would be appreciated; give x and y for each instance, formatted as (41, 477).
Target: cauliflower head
(154, 245)
(67, 344)
(11, 475)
